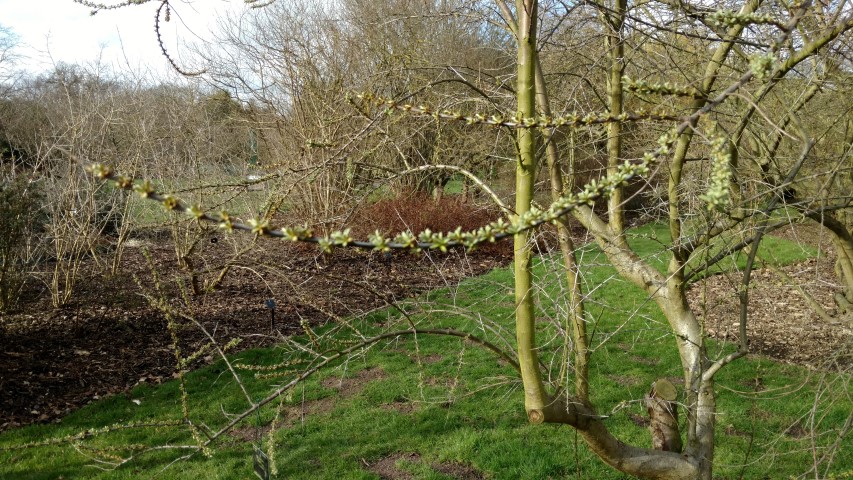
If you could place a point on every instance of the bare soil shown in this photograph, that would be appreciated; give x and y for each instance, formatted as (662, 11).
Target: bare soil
(110, 338)
(781, 323)
(387, 468)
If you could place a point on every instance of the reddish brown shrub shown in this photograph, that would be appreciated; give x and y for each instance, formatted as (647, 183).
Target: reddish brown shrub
(417, 211)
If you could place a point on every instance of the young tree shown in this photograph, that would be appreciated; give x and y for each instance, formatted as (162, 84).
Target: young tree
(737, 57)
(668, 289)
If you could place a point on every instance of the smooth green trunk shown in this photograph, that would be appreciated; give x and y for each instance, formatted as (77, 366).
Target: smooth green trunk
(580, 340)
(535, 397)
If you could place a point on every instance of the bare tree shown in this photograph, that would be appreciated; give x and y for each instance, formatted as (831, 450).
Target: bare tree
(9, 56)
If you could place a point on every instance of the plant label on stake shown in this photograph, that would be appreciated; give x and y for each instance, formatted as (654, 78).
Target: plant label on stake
(261, 462)
(270, 304)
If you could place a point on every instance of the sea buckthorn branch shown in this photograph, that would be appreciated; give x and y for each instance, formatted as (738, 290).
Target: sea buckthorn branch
(164, 10)
(717, 195)
(730, 18)
(92, 432)
(364, 101)
(415, 243)
(666, 88)
(341, 354)
(97, 6)
(259, 3)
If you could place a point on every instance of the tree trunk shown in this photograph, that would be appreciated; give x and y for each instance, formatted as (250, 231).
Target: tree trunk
(580, 340)
(615, 43)
(842, 241)
(535, 397)
(700, 397)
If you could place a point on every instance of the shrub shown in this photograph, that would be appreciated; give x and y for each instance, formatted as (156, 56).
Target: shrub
(21, 217)
(418, 211)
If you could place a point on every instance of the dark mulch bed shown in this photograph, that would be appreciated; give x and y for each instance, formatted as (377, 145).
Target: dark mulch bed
(781, 324)
(110, 339)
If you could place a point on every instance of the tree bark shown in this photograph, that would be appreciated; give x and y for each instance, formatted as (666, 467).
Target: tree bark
(663, 416)
(580, 340)
(842, 241)
(615, 20)
(535, 396)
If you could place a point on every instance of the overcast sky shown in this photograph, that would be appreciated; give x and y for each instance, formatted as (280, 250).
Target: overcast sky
(53, 31)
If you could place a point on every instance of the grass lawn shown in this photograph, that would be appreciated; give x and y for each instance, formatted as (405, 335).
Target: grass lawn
(435, 406)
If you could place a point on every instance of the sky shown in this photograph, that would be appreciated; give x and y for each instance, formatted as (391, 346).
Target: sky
(53, 31)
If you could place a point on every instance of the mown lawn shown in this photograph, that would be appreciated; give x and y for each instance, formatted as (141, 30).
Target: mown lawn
(451, 402)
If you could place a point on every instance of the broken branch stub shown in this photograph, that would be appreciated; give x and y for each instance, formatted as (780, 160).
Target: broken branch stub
(663, 416)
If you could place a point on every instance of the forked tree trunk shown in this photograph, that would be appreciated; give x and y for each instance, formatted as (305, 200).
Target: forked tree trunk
(699, 399)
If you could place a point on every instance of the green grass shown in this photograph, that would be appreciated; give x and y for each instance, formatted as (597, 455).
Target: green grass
(652, 239)
(238, 202)
(453, 417)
